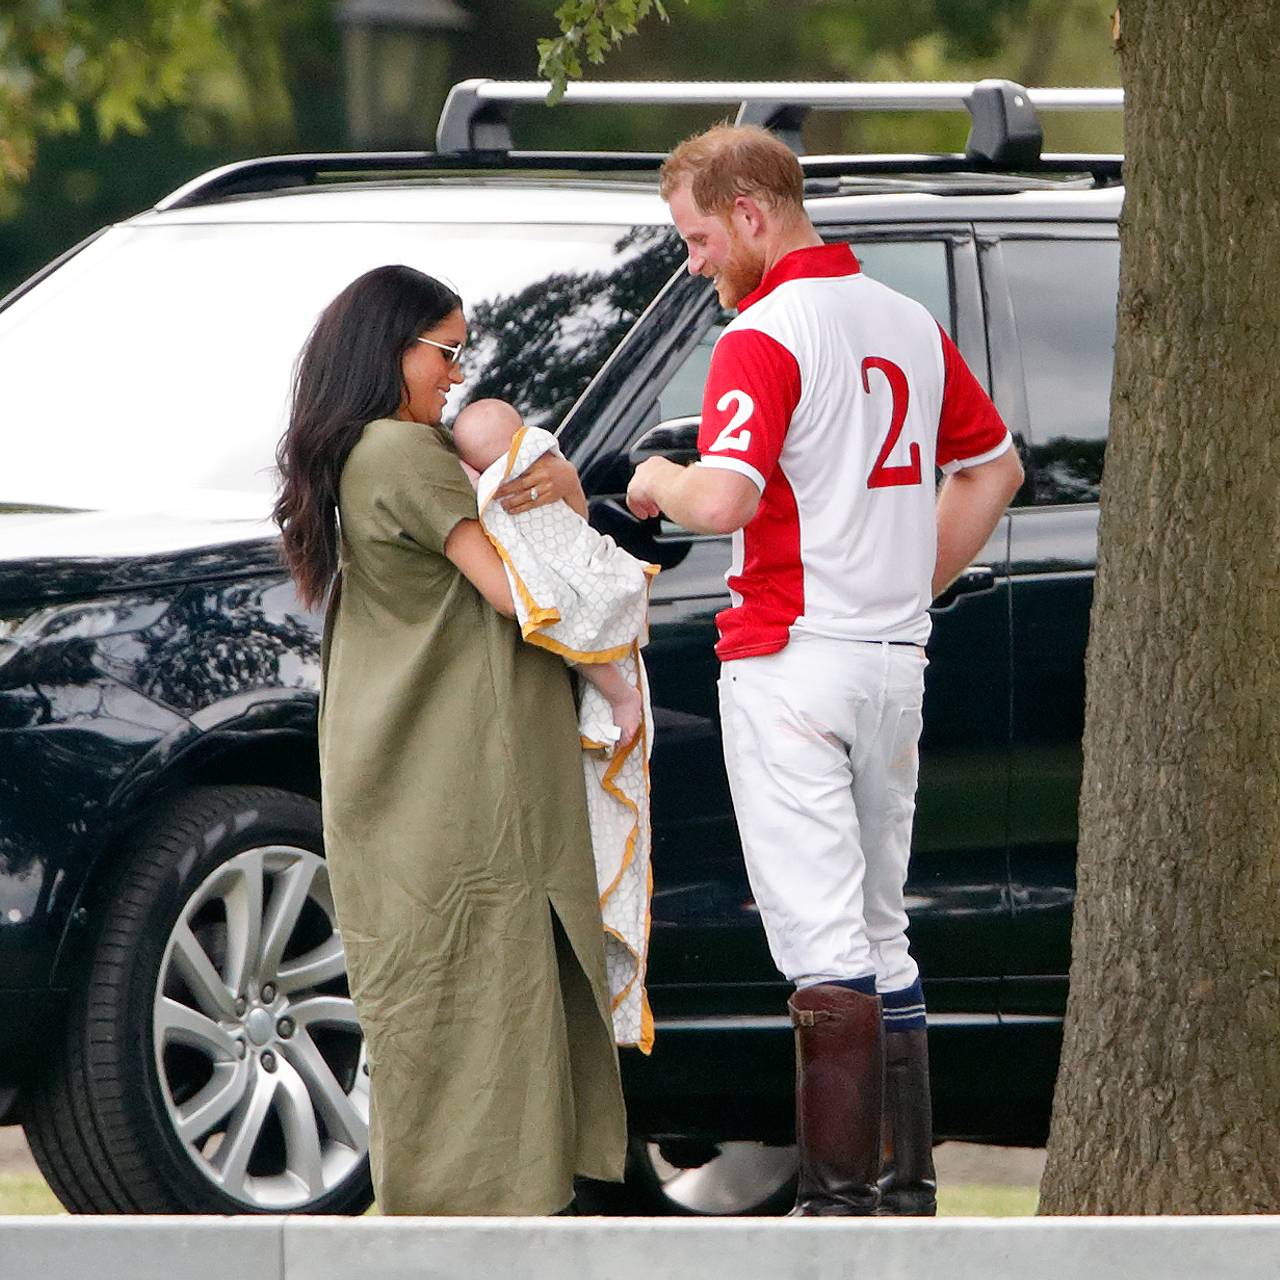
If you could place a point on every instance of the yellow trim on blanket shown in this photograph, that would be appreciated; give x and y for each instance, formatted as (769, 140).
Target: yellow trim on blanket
(646, 1013)
(516, 441)
(616, 654)
(645, 1044)
(539, 616)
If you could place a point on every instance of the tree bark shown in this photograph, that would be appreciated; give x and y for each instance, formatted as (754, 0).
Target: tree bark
(1168, 1099)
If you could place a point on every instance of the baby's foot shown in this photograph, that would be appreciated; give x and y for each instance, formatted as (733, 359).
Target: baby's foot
(628, 711)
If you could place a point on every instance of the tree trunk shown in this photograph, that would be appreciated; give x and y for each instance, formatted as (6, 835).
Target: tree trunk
(1168, 1099)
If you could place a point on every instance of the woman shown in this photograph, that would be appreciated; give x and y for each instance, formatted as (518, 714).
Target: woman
(454, 805)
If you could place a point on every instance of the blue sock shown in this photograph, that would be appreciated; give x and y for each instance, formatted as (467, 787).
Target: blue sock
(865, 985)
(903, 1010)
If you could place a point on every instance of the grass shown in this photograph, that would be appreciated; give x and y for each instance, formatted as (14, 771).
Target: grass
(972, 1201)
(24, 1193)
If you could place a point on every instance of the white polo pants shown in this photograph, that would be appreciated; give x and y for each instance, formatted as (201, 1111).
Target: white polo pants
(821, 748)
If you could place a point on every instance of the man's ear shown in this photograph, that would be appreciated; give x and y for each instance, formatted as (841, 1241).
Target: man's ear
(750, 215)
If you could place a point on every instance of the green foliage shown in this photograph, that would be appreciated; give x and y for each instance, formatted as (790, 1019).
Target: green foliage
(217, 80)
(1035, 42)
(589, 28)
(114, 62)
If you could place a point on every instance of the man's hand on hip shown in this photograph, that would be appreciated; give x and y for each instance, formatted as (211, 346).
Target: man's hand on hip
(970, 505)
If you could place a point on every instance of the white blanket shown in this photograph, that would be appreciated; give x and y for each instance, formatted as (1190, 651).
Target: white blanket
(582, 596)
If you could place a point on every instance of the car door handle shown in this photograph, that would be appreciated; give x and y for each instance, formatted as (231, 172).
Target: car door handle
(642, 538)
(976, 579)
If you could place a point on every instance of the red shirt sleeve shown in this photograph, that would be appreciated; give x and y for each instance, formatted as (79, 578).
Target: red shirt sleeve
(752, 390)
(970, 426)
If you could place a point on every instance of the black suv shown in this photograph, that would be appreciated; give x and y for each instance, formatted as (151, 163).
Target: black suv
(175, 1028)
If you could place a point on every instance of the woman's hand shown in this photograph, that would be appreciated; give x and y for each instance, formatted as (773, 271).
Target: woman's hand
(549, 479)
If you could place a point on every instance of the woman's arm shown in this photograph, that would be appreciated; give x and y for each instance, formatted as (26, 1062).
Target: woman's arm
(473, 554)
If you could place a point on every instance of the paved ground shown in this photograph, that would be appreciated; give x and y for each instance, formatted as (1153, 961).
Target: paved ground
(958, 1162)
(14, 1156)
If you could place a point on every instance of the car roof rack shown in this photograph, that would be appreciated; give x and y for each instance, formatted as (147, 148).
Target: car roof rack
(269, 174)
(278, 173)
(474, 133)
(1005, 128)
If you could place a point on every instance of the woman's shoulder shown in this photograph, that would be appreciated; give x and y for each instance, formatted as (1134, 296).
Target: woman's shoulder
(402, 433)
(394, 442)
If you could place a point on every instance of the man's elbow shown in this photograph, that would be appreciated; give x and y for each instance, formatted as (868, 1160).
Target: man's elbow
(1014, 475)
(994, 482)
(725, 516)
(727, 510)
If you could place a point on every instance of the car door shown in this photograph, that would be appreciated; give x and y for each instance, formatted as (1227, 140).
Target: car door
(1052, 293)
(708, 949)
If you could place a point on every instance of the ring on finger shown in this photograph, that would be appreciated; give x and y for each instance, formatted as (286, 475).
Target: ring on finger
(533, 493)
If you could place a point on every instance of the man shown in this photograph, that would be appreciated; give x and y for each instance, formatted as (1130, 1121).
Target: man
(829, 402)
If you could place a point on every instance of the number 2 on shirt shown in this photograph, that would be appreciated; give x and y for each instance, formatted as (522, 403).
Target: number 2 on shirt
(882, 476)
(746, 406)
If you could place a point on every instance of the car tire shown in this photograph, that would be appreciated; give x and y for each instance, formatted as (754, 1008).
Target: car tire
(211, 1061)
(726, 1179)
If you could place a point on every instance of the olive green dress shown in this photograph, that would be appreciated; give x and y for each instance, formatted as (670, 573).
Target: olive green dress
(456, 829)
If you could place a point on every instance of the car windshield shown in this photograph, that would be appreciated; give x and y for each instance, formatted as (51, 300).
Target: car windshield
(154, 367)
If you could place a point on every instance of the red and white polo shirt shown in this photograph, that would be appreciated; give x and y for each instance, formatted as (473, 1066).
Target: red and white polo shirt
(837, 397)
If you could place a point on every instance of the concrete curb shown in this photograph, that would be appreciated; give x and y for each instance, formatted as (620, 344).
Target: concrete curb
(1226, 1248)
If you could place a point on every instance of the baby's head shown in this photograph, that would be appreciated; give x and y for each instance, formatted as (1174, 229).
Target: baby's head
(482, 432)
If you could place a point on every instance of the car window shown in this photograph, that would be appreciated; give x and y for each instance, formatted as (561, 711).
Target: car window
(1064, 306)
(158, 361)
(682, 395)
(918, 268)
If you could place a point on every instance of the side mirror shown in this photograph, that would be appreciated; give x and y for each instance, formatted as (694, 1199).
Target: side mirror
(675, 439)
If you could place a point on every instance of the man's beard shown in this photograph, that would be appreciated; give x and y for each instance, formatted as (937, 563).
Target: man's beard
(741, 273)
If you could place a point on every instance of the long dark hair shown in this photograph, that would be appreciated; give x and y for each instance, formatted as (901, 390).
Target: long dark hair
(348, 374)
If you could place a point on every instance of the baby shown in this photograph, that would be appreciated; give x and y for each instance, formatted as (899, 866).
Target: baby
(483, 433)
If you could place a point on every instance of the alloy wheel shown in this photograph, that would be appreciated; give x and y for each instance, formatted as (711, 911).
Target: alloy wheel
(260, 1058)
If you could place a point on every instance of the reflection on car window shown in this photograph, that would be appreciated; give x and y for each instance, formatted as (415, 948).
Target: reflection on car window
(540, 346)
(682, 396)
(1064, 304)
(918, 268)
(157, 361)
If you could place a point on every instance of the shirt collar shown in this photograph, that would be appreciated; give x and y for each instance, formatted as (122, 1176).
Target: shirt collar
(814, 262)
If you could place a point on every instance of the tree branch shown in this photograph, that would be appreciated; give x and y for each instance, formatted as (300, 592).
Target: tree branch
(589, 29)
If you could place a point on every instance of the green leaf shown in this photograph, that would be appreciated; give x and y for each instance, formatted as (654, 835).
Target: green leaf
(589, 29)
(597, 42)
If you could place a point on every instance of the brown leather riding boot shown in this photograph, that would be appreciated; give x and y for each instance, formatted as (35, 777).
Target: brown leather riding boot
(908, 1184)
(839, 1099)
